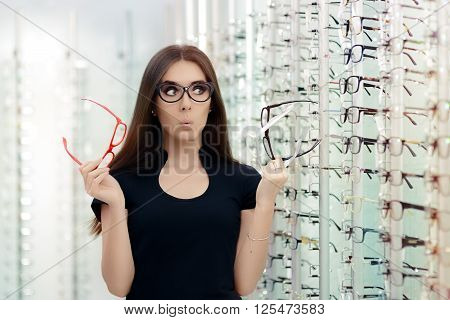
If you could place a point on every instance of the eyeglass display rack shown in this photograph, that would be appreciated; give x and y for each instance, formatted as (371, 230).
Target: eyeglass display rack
(38, 228)
(388, 62)
(369, 223)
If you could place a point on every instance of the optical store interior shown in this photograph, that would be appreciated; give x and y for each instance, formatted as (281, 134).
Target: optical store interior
(364, 215)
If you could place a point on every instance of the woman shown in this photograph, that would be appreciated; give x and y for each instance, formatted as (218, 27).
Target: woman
(180, 218)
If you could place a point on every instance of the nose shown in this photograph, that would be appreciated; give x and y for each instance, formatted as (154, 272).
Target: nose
(185, 102)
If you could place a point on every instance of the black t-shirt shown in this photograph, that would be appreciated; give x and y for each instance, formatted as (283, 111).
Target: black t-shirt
(185, 248)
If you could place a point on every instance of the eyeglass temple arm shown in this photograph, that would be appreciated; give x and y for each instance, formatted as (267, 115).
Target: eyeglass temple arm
(407, 182)
(105, 108)
(69, 153)
(410, 149)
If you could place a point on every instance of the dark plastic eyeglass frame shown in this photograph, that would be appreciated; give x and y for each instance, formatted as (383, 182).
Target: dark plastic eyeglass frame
(348, 53)
(346, 111)
(266, 137)
(185, 90)
(281, 280)
(288, 191)
(407, 241)
(344, 84)
(386, 207)
(347, 141)
(351, 229)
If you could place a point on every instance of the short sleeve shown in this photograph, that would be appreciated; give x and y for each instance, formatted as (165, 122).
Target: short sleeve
(251, 178)
(96, 204)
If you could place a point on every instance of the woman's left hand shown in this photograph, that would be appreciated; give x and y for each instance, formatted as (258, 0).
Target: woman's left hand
(274, 176)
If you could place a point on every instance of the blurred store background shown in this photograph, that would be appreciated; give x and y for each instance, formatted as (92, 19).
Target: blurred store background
(378, 68)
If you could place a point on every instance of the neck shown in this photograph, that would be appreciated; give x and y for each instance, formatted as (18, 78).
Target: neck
(184, 155)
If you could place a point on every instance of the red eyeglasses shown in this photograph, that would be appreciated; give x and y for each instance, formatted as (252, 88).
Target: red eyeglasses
(118, 136)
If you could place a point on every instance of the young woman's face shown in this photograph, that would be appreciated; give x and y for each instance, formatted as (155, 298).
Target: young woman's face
(172, 116)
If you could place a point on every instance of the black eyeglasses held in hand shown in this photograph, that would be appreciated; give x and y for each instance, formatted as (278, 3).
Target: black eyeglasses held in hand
(266, 123)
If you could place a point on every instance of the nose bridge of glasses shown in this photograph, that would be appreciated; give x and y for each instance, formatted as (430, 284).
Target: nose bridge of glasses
(186, 99)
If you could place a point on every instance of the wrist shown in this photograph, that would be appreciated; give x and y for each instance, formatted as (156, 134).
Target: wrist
(118, 205)
(266, 202)
(270, 186)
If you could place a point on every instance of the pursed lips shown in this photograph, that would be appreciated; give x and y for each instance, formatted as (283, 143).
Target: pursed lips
(186, 123)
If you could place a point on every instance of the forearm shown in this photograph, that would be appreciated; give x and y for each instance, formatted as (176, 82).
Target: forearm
(252, 258)
(117, 259)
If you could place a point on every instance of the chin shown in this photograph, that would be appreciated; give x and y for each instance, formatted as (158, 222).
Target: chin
(187, 136)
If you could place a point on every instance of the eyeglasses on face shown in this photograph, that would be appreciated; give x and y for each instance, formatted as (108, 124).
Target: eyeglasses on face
(117, 138)
(198, 91)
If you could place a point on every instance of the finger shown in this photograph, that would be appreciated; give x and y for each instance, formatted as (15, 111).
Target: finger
(100, 178)
(94, 174)
(82, 165)
(88, 164)
(89, 167)
(277, 160)
(272, 165)
(280, 163)
(93, 182)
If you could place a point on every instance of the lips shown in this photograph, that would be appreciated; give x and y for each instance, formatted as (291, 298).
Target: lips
(186, 122)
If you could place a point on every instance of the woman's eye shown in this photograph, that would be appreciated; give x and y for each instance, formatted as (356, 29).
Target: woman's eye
(170, 90)
(199, 89)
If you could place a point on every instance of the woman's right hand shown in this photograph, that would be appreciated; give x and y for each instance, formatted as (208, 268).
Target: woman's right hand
(99, 184)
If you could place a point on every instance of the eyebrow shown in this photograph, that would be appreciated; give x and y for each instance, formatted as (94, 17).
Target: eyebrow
(194, 82)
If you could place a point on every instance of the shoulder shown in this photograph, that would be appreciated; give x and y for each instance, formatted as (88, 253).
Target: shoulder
(247, 181)
(124, 175)
(245, 172)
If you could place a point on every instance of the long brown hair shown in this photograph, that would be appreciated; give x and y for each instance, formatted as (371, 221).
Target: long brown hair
(214, 135)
